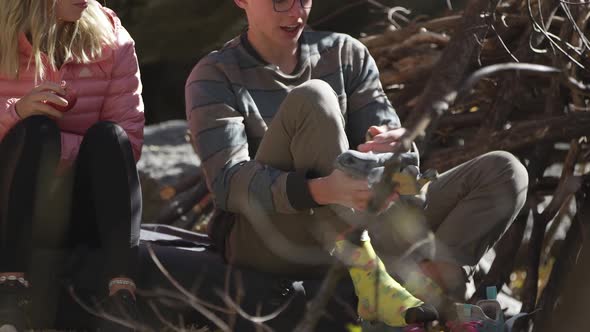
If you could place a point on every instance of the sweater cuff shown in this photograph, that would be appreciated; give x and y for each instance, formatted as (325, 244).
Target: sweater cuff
(12, 110)
(298, 192)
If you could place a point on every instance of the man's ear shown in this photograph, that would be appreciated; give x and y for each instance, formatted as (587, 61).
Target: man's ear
(241, 3)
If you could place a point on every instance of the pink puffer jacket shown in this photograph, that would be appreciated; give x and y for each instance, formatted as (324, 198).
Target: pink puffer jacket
(109, 89)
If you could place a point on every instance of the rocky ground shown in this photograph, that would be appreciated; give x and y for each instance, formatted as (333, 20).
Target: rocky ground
(166, 157)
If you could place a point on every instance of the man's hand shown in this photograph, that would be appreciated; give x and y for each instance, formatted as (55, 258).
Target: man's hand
(340, 188)
(382, 139)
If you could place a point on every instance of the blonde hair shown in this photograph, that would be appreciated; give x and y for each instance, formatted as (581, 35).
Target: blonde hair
(80, 41)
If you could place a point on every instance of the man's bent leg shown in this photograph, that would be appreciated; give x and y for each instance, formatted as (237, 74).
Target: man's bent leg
(470, 206)
(306, 135)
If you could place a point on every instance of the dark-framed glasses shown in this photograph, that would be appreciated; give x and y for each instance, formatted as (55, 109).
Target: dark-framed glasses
(282, 6)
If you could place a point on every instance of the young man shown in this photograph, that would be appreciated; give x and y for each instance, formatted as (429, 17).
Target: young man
(272, 110)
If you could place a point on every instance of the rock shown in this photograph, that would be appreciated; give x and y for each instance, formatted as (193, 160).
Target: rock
(166, 156)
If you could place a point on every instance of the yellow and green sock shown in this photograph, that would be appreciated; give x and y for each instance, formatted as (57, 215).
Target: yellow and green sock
(380, 297)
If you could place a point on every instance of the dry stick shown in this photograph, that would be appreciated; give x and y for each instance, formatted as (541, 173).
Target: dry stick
(192, 216)
(530, 288)
(161, 293)
(503, 264)
(567, 256)
(445, 80)
(182, 203)
(161, 318)
(564, 265)
(185, 182)
(259, 320)
(196, 303)
(509, 244)
(503, 103)
(441, 90)
(550, 235)
(98, 312)
(403, 49)
(568, 185)
(388, 38)
(520, 135)
(315, 309)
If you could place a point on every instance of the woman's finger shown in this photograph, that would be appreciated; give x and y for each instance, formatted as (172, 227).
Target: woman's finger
(44, 109)
(45, 97)
(49, 86)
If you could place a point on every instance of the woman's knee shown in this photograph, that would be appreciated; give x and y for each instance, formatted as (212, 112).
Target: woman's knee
(105, 129)
(39, 128)
(105, 132)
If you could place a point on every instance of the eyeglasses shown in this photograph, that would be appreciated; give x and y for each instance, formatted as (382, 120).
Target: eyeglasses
(282, 6)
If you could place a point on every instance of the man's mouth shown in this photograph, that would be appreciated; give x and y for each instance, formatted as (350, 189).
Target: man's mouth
(290, 28)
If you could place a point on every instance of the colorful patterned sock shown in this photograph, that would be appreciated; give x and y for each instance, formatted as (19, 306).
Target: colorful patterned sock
(380, 297)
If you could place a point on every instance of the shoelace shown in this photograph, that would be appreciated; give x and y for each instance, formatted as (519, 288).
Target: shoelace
(464, 326)
(414, 328)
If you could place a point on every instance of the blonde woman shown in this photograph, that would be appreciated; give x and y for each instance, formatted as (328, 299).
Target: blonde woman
(71, 131)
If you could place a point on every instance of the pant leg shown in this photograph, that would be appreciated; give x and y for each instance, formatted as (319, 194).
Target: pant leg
(467, 210)
(306, 134)
(470, 206)
(107, 198)
(29, 155)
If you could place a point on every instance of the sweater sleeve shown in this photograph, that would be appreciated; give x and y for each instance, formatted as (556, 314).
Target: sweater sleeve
(221, 142)
(8, 116)
(368, 104)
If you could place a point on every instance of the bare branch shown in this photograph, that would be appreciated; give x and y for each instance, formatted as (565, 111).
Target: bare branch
(196, 303)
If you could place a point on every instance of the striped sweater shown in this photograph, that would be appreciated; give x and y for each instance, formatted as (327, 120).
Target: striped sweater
(232, 95)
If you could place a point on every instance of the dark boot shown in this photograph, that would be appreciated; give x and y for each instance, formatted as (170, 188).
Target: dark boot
(12, 302)
(122, 306)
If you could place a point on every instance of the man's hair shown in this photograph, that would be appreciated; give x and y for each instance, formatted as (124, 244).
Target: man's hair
(80, 41)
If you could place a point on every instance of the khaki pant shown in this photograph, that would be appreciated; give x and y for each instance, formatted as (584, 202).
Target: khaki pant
(467, 208)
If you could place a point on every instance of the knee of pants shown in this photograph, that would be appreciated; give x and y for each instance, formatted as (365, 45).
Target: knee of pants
(106, 134)
(317, 95)
(39, 129)
(105, 130)
(510, 175)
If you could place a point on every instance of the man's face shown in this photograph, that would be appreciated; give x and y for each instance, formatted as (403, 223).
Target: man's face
(279, 28)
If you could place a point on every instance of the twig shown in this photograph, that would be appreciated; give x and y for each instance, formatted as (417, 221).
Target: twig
(104, 315)
(255, 319)
(315, 309)
(193, 300)
(567, 186)
(162, 319)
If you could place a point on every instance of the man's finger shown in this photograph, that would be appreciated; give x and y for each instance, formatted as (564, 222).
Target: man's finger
(377, 147)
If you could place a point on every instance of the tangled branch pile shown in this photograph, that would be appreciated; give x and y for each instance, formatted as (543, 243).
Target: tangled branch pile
(538, 111)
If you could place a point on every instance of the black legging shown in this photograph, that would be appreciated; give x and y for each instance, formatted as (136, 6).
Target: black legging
(105, 208)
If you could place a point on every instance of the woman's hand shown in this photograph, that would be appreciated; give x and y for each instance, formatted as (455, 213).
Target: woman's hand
(339, 188)
(36, 101)
(383, 139)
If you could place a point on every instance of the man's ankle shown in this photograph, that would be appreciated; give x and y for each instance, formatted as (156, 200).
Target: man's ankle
(450, 277)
